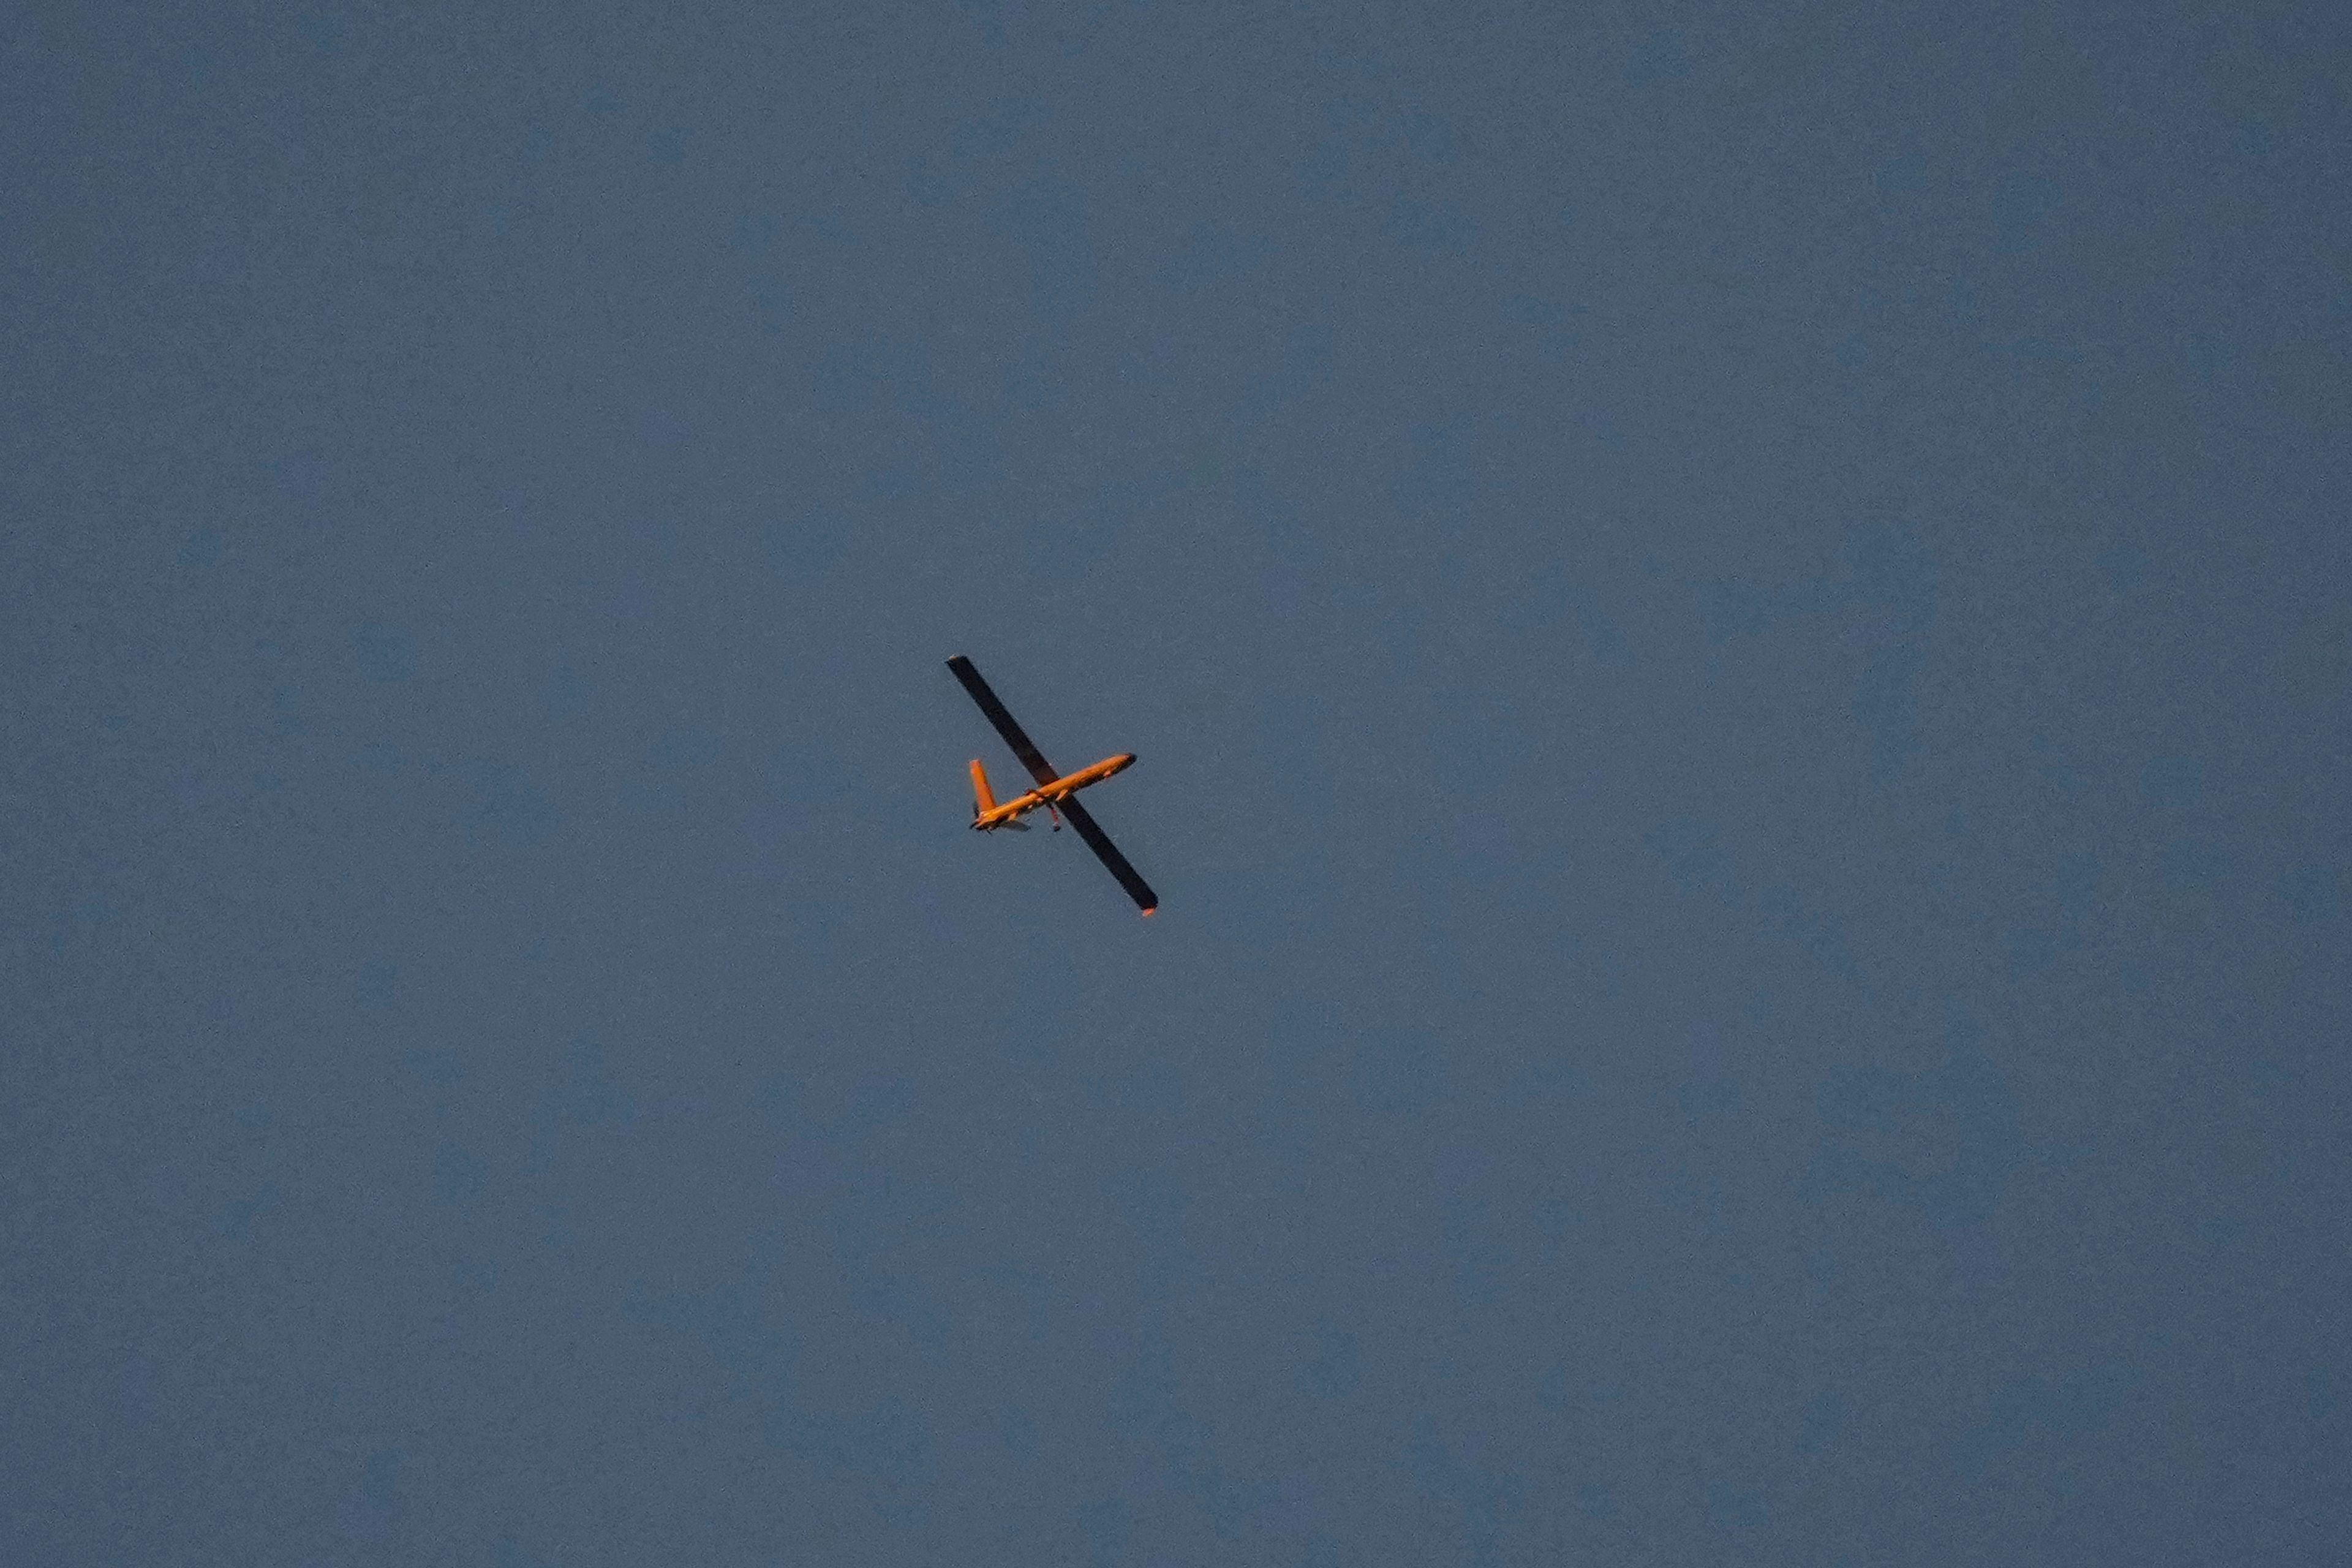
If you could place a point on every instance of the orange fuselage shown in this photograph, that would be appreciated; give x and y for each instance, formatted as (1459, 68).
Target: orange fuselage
(1046, 795)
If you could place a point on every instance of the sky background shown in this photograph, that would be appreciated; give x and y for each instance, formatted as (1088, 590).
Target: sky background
(1735, 620)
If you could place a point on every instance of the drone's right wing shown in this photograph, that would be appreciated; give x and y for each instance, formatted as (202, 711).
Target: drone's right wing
(1039, 769)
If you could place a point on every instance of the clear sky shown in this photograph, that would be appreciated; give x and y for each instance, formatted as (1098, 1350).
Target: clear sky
(1735, 621)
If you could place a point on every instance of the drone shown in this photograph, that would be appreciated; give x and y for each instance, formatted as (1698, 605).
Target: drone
(1056, 795)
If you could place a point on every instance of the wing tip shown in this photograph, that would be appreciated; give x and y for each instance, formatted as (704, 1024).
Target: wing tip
(1150, 912)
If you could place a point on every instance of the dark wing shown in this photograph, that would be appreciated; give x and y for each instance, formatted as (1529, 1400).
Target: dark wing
(1108, 853)
(1039, 769)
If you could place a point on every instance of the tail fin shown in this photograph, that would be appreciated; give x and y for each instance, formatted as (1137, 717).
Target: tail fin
(983, 797)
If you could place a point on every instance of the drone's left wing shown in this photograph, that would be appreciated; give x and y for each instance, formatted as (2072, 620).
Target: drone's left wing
(1108, 853)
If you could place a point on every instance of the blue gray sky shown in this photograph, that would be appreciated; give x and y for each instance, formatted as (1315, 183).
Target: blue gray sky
(1734, 618)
